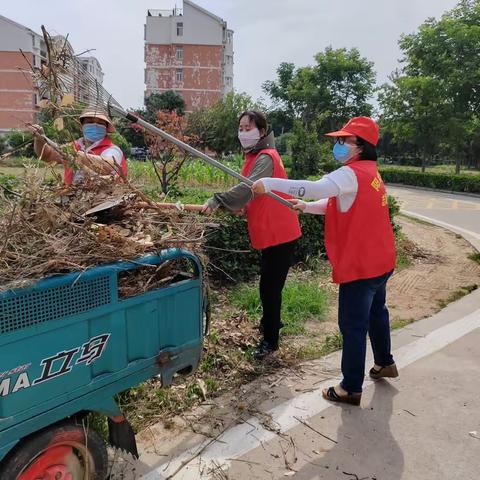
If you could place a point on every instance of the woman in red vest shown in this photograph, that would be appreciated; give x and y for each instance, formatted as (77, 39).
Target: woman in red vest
(97, 153)
(273, 228)
(360, 246)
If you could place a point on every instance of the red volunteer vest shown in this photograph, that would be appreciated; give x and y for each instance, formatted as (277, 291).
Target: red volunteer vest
(68, 173)
(360, 243)
(269, 222)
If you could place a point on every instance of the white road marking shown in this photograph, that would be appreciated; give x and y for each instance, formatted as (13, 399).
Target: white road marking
(245, 437)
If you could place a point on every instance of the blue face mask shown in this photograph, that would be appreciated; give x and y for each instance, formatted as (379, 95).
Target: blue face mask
(342, 153)
(94, 132)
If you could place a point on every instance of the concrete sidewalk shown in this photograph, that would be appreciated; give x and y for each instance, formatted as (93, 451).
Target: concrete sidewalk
(415, 427)
(420, 426)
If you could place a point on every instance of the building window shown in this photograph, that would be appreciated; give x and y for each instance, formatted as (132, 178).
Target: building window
(179, 29)
(229, 81)
(179, 75)
(229, 37)
(179, 53)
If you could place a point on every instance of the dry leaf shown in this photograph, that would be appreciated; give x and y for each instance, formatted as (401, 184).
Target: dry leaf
(202, 387)
(58, 124)
(290, 473)
(67, 100)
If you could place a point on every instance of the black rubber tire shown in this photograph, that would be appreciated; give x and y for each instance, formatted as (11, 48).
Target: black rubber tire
(70, 432)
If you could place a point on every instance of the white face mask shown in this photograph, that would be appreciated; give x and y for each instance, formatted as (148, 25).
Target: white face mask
(249, 139)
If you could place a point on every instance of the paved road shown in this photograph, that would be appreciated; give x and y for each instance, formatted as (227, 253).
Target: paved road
(425, 425)
(461, 213)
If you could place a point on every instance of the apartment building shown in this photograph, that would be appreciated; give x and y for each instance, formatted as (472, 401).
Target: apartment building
(189, 50)
(21, 48)
(18, 97)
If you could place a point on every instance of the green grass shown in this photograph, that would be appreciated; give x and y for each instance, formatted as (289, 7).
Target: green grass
(314, 349)
(404, 258)
(475, 257)
(302, 301)
(400, 323)
(457, 295)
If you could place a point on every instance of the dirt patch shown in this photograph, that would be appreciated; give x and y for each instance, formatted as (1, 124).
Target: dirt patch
(440, 272)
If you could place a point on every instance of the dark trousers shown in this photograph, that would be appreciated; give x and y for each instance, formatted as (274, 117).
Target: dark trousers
(362, 310)
(275, 263)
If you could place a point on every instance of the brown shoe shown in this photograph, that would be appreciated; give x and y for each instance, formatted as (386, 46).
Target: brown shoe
(331, 395)
(390, 371)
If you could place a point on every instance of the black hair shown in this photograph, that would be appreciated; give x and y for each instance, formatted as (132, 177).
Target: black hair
(369, 151)
(258, 118)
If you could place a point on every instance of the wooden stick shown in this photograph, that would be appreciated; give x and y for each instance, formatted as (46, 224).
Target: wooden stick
(163, 206)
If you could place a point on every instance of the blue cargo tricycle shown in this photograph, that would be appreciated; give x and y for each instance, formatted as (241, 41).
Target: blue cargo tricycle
(69, 343)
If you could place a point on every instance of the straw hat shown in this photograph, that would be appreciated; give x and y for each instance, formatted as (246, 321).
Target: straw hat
(93, 112)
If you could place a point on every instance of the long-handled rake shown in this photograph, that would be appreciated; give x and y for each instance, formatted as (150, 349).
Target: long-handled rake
(98, 96)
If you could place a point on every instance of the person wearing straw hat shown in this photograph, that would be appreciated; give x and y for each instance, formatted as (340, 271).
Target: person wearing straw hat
(96, 152)
(360, 246)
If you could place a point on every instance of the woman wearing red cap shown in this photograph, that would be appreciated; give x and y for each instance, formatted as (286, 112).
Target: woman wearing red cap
(360, 246)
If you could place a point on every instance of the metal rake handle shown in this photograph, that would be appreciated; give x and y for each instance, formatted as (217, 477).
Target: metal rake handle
(196, 153)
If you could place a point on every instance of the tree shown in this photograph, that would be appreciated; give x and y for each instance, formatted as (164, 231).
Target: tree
(327, 94)
(416, 114)
(444, 53)
(169, 101)
(217, 126)
(133, 133)
(166, 157)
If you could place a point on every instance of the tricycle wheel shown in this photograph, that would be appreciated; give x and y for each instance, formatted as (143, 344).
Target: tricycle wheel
(66, 451)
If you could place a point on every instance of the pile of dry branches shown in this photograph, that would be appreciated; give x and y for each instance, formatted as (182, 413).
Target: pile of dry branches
(44, 230)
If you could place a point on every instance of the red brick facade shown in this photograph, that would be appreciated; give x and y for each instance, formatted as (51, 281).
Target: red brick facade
(200, 70)
(17, 100)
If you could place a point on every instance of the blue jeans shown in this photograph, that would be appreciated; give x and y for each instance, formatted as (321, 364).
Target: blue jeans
(362, 310)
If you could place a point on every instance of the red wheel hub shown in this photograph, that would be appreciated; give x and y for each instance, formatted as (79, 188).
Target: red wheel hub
(51, 465)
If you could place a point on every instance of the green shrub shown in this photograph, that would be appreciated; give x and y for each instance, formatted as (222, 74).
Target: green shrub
(121, 142)
(16, 138)
(10, 183)
(440, 181)
(3, 144)
(232, 259)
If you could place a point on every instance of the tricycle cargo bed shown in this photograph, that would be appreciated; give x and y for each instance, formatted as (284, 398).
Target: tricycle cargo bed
(69, 343)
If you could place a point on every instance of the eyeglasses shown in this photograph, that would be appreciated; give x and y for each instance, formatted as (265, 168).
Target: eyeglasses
(340, 140)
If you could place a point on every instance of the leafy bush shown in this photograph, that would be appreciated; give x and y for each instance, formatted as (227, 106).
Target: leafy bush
(121, 142)
(441, 181)
(16, 138)
(3, 144)
(9, 182)
(228, 247)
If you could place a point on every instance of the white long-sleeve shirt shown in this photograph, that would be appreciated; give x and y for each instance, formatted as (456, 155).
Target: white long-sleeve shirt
(341, 183)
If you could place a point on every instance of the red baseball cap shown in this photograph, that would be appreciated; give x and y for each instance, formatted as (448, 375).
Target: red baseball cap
(363, 127)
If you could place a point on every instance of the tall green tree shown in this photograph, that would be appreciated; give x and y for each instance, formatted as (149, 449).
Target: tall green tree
(416, 115)
(169, 101)
(217, 126)
(444, 54)
(339, 86)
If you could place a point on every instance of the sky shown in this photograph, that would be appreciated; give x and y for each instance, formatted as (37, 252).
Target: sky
(267, 33)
